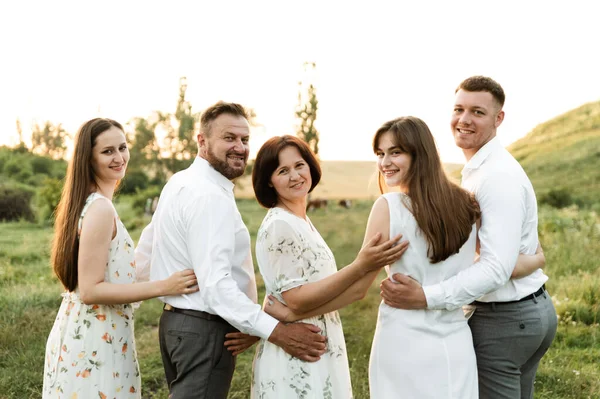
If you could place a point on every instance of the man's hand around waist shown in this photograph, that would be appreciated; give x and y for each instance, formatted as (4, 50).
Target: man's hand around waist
(403, 292)
(300, 340)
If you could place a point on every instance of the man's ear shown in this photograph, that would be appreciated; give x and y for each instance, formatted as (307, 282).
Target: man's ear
(499, 118)
(201, 140)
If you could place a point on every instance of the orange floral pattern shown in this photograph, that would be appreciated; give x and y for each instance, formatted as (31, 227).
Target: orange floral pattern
(90, 352)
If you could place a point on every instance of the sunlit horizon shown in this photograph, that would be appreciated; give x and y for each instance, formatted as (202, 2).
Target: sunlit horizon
(71, 61)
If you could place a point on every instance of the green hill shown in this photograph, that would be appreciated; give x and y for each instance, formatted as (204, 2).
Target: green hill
(564, 153)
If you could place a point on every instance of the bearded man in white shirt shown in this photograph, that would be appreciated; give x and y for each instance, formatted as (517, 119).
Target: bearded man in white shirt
(514, 321)
(197, 226)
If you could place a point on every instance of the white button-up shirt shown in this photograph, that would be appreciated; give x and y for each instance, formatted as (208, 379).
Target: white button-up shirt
(197, 226)
(508, 228)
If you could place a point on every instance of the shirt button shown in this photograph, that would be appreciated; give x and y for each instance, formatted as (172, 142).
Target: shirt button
(522, 325)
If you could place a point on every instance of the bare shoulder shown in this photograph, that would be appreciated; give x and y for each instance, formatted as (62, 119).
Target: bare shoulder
(99, 214)
(381, 208)
(379, 219)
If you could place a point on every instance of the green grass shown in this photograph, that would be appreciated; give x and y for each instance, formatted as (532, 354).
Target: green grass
(30, 297)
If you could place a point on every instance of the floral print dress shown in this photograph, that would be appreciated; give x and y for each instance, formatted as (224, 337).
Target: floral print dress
(90, 352)
(290, 252)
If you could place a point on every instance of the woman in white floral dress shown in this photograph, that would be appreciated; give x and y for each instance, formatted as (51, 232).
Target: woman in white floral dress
(90, 352)
(299, 270)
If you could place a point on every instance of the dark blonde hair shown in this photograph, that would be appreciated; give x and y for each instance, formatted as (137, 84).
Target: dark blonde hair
(444, 212)
(267, 161)
(79, 181)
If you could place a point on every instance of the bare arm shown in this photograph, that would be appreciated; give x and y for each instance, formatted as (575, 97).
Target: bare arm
(378, 224)
(527, 264)
(352, 281)
(96, 234)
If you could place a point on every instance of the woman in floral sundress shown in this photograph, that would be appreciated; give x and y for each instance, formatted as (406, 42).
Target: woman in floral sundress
(299, 270)
(90, 352)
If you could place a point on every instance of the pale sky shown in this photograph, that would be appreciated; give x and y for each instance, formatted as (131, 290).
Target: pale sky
(68, 61)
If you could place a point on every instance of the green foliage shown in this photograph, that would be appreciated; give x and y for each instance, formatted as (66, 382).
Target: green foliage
(559, 198)
(49, 140)
(49, 197)
(564, 154)
(140, 199)
(19, 165)
(15, 203)
(178, 149)
(134, 181)
(306, 111)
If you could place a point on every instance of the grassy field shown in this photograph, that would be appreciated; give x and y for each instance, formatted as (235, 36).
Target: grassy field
(30, 297)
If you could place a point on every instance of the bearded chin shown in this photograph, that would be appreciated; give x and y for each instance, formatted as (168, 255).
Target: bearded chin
(222, 166)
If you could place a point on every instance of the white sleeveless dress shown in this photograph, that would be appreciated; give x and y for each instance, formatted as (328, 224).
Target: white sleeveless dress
(90, 352)
(290, 252)
(422, 354)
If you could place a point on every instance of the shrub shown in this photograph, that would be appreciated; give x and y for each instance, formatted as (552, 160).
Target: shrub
(49, 196)
(140, 199)
(15, 204)
(134, 181)
(559, 198)
(13, 166)
(42, 165)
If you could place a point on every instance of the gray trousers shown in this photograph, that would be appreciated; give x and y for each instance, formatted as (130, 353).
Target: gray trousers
(510, 339)
(197, 364)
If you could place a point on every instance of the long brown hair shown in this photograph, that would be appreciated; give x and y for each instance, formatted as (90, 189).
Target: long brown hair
(444, 212)
(78, 182)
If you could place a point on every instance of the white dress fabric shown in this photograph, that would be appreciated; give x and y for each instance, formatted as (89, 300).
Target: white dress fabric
(290, 252)
(422, 354)
(90, 352)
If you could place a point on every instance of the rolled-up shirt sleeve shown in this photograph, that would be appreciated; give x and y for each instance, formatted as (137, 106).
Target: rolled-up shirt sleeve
(211, 240)
(502, 204)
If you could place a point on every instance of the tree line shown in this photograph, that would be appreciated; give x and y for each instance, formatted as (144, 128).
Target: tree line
(154, 161)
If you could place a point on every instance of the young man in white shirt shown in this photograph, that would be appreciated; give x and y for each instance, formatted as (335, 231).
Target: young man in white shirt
(515, 321)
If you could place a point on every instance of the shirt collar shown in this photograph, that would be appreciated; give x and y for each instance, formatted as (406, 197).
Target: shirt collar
(481, 155)
(206, 168)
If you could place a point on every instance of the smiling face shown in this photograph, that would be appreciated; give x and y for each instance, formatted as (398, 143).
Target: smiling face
(226, 146)
(475, 119)
(291, 179)
(110, 155)
(392, 162)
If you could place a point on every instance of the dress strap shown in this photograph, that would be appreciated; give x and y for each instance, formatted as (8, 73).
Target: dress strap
(90, 199)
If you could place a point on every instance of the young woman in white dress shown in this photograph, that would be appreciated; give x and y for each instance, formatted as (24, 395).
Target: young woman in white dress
(423, 353)
(299, 270)
(90, 352)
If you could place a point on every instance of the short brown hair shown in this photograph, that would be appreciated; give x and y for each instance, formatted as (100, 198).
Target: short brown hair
(219, 108)
(483, 83)
(267, 160)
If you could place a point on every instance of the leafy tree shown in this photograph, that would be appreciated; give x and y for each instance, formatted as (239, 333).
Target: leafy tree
(306, 111)
(21, 147)
(180, 146)
(144, 147)
(49, 140)
(49, 196)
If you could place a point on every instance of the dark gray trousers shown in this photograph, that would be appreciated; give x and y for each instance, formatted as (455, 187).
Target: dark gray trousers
(510, 339)
(196, 363)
